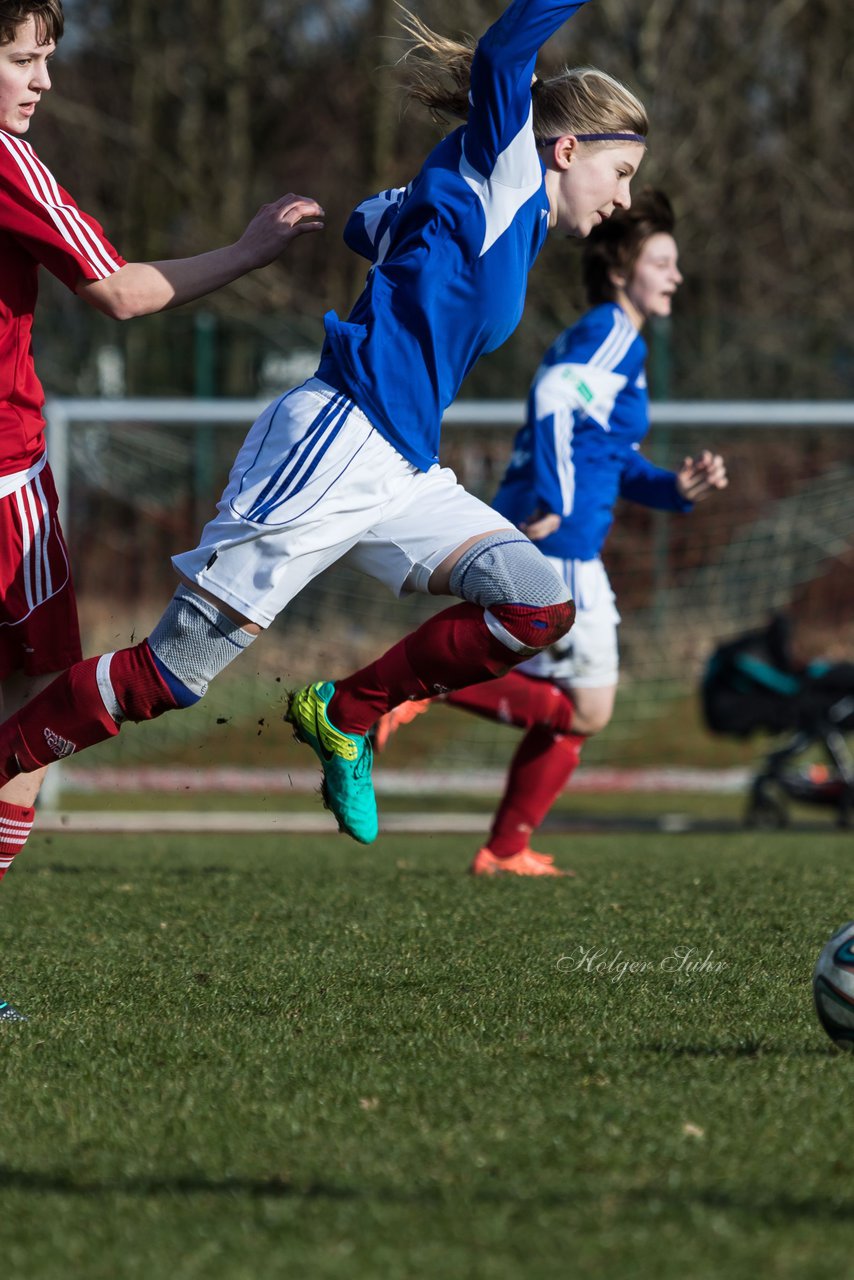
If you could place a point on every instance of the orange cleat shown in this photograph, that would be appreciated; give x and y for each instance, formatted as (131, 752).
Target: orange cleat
(388, 724)
(524, 863)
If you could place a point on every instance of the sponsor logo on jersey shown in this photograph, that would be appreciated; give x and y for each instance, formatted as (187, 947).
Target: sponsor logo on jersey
(580, 385)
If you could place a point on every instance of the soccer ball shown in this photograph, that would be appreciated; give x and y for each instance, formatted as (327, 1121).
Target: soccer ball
(833, 987)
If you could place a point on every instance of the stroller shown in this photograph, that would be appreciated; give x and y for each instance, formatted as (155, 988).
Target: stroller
(751, 684)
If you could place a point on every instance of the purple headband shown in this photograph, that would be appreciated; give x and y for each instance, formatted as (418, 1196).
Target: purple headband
(597, 137)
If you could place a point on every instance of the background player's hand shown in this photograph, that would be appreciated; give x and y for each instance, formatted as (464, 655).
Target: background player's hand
(275, 225)
(540, 525)
(698, 477)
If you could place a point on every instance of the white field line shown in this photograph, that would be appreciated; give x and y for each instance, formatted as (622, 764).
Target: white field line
(114, 822)
(235, 780)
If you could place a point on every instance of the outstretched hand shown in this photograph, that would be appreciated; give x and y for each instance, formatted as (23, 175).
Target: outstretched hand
(275, 225)
(698, 477)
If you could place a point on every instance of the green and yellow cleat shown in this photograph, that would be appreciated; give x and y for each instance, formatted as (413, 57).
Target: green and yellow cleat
(347, 761)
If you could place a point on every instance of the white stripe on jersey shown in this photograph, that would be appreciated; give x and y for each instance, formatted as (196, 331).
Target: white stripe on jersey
(558, 395)
(516, 177)
(66, 217)
(563, 389)
(564, 421)
(374, 210)
(92, 248)
(617, 343)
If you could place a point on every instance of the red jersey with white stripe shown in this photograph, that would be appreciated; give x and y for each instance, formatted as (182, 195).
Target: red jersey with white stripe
(40, 226)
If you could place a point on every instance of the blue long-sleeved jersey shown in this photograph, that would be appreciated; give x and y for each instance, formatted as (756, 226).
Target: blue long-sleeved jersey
(452, 251)
(588, 411)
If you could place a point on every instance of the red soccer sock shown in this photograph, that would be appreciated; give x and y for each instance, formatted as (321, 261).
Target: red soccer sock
(65, 717)
(449, 651)
(71, 714)
(16, 823)
(517, 699)
(543, 764)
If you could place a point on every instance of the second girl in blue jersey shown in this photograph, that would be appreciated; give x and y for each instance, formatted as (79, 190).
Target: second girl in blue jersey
(588, 414)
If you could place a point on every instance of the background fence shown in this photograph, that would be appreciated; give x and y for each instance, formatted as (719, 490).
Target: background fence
(139, 477)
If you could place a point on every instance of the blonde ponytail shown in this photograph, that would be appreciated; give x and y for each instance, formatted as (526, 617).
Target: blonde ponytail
(575, 100)
(438, 69)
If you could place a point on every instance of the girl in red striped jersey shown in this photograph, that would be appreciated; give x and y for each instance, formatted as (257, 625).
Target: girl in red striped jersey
(42, 226)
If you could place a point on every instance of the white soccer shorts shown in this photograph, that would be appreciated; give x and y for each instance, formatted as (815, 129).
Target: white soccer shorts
(315, 482)
(588, 656)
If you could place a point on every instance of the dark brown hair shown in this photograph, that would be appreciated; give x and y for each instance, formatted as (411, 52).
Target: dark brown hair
(48, 15)
(615, 246)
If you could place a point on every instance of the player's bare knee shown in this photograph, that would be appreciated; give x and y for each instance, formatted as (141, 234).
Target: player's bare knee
(591, 724)
(592, 714)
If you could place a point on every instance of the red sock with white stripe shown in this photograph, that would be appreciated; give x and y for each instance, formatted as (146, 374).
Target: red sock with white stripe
(16, 823)
(543, 764)
(72, 714)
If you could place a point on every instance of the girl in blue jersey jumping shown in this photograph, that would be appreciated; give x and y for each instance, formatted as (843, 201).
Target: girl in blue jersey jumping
(346, 466)
(578, 452)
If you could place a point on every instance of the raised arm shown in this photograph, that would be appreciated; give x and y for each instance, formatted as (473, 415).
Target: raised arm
(501, 75)
(140, 288)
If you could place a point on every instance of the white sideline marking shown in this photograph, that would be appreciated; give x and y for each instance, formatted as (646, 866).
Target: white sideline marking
(389, 781)
(226, 823)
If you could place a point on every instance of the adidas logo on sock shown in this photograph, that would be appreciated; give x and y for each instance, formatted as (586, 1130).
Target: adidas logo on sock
(60, 746)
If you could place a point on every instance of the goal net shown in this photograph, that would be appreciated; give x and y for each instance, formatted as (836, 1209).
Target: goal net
(139, 478)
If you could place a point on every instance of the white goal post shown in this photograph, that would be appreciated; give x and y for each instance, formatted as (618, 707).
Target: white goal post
(61, 414)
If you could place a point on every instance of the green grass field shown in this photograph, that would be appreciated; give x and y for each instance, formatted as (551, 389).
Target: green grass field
(308, 1059)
